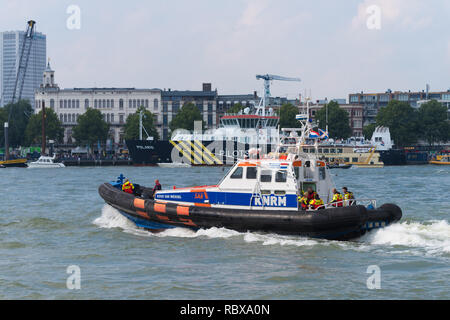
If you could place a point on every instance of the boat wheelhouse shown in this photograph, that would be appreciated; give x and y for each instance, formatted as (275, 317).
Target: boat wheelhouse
(250, 129)
(272, 183)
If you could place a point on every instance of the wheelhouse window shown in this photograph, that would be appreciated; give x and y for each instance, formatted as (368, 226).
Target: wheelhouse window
(251, 172)
(322, 173)
(266, 175)
(237, 174)
(281, 176)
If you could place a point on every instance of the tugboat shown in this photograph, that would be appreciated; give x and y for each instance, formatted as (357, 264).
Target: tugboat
(257, 194)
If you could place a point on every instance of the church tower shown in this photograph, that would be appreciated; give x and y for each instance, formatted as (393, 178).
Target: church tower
(49, 77)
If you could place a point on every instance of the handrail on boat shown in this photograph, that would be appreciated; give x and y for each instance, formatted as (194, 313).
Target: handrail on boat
(365, 202)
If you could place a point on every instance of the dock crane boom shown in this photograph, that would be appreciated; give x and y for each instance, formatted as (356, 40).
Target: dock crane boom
(23, 61)
(267, 78)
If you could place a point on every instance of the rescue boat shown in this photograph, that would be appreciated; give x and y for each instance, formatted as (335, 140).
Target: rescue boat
(258, 193)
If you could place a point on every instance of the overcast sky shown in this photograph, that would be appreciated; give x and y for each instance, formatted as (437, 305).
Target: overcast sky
(180, 44)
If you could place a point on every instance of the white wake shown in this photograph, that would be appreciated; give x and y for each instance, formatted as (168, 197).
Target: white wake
(431, 238)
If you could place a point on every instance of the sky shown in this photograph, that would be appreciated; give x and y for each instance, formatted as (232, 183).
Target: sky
(335, 47)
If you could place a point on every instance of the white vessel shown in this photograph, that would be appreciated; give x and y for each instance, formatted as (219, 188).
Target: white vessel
(45, 162)
(174, 165)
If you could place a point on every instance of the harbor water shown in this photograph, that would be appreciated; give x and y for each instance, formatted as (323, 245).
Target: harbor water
(51, 219)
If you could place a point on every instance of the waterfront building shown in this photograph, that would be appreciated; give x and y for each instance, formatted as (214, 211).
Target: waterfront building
(115, 104)
(173, 101)
(11, 43)
(372, 102)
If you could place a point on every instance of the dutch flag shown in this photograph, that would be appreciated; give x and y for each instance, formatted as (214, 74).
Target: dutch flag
(313, 134)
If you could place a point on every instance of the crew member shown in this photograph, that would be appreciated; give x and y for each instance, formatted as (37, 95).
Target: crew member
(348, 195)
(338, 199)
(304, 202)
(316, 203)
(128, 187)
(156, 187)
(310, 194)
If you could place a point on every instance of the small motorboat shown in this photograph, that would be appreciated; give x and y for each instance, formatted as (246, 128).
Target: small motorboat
(443, 159)
(257, 194)
(46, 162)
(14, 163)
(338, 166)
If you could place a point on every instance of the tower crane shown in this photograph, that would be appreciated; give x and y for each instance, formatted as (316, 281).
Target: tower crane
(267, 78)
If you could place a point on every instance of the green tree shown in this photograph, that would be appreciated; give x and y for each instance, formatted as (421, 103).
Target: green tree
(3, 119)
(18, 114)
(368, 130)
(53, 127)
(287, 114)
(131, 130)
(402, 121)
(235, 108)
(338, 121)
(434, 126)
(185, 118)
(91, 128)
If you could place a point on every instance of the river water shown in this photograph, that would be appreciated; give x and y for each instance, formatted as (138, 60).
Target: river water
(53, 219)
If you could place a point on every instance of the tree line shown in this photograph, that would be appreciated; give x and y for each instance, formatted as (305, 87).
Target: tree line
(408, 125)
(25, 127)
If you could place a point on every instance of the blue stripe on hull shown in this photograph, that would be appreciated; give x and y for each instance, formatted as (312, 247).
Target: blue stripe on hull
(147, 224)
(232, 198)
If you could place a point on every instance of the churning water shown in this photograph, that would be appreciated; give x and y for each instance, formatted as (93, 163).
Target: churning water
(53, 219)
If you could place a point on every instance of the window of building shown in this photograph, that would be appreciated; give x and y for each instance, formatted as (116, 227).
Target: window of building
(175, 106)
(200, 106)
(130, 103)
(112, 103)
(210, 107)
(353, 98)
(134, 103)
(86, 103)
(121, 104)
(121, 118)
(165, 120)
(210, 119)
(95, 104)
(112, 117)
(155, 104)
(61, 104)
